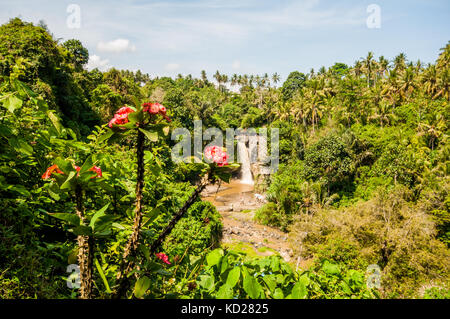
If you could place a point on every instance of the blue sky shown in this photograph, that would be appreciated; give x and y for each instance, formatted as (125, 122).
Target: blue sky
(253, 37)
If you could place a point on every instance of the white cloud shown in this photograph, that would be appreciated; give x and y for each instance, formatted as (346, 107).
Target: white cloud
(172, 66)
(116, 46)
(236, 65)
(96, 62)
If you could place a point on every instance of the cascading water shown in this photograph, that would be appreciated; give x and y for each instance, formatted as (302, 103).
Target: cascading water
(244, 159)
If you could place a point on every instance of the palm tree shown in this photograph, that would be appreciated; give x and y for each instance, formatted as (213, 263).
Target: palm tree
(400, 62)
(204, 76)
(429, 80)
(368, 65)
(275, 78)
(433, 131)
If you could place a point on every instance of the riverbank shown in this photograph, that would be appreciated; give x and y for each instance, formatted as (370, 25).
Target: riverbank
(236, 203)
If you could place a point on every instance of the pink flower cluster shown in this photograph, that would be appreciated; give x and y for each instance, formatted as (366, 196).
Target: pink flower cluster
(156, 108)
(217, 155)
(163, 257)
(121, 116)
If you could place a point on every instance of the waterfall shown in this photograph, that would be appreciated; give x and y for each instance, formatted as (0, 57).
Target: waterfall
(244, 159)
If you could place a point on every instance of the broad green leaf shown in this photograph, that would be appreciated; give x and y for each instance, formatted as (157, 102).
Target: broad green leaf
(100, 212)
(55, 121)
(67, 183)
(214, 257)
(141, 286)
(275, 265)
(87, 165)
(12, 103)
(225, 292)
(299, 290)
(224, 264)
(152, 136)
(278, 294)
(136, 116)
(194, 260)
(270, 282)
(304, 279)
(64, 165)
(233, 276)
(206, 282)
(330, 268)
(252, 287)
(72, 219)
(105, 136)
(20, 146)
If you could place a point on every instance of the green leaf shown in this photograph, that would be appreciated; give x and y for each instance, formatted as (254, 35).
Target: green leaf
(55, 121)
(299, 290)
(233, 276)
(278, 294)
(152, 216)
(67, 183)
(270, 282)
(12, 103)
(252, 287)
(141, 286)
(82, 230)
(64, 165)
(224, 264)
(304, 279)
(72, 219)
(214, 257)
(330, 268)
(102, 275)
(87, 165)
(225, 292)
(135, 117)
(207, 282)
(275, 265)
(105, 136)
(20, 146)
(100, 212)
(152, 136)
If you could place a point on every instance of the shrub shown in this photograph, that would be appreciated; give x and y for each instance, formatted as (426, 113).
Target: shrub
(386, 230)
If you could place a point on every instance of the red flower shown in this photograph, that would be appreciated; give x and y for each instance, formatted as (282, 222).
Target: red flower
(121, 116)
(163, 257)
(152, 108)
(217, 155)
(52, 169)
(98, 170)
(156, 108)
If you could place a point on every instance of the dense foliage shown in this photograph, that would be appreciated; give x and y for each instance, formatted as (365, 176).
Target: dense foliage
(363, 177)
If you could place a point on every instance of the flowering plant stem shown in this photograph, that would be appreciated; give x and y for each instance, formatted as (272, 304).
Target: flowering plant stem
(200, 187)
(85, 251)
(131, 247)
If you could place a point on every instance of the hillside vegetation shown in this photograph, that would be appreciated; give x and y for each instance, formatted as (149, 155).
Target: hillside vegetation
(363, 177)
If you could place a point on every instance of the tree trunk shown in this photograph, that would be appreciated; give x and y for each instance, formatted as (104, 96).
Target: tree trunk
(131, 247)
(85, 251)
